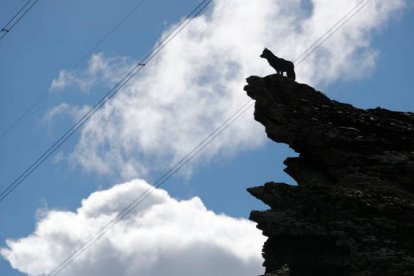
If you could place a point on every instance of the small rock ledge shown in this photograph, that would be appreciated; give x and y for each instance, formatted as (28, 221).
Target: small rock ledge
(352, 212)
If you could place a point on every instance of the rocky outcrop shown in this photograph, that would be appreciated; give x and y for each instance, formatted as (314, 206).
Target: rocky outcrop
(352, 210)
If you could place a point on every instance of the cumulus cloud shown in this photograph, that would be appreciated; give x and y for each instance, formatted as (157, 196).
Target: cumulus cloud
(196, 82)
(162, 236)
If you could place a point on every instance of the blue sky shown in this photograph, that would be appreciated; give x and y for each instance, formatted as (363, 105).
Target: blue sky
(56, 34)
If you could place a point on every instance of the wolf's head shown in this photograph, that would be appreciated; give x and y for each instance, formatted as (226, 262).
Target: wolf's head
(266, 53)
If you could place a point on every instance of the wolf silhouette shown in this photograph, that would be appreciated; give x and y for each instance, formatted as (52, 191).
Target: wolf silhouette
(279, 64)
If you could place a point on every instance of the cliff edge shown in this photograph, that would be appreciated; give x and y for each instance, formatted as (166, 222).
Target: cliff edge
(352, 210)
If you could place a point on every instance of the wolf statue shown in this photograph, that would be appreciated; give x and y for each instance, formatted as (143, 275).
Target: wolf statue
(279, 64)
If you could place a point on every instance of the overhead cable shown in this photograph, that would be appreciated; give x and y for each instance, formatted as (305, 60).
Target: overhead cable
(338, 25)
(106, 98)
(42, 97)
(17, 17)
(176, 167)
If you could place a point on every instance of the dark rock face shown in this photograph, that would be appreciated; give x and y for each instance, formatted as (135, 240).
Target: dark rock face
(352, 212)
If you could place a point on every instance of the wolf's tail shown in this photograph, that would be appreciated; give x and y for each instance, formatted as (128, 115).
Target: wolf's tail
(291, 74)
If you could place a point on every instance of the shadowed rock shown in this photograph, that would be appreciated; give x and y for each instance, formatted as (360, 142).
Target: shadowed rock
(352, 212)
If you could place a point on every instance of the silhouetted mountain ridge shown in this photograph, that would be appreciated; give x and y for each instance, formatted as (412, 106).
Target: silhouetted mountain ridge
(352, 212)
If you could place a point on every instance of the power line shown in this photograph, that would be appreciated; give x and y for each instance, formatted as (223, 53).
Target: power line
(158, 183)
(187, 158)
(17, 17)
(338, 25)
(107, 97)
(172, 170)
(88, 53)
(113, 29)
(330, 29)
(24, 115)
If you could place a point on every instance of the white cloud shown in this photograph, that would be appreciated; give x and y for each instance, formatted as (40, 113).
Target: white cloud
(101, 69)
(65, 109)
(162, 236)
(62, 80)
(197, 81)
